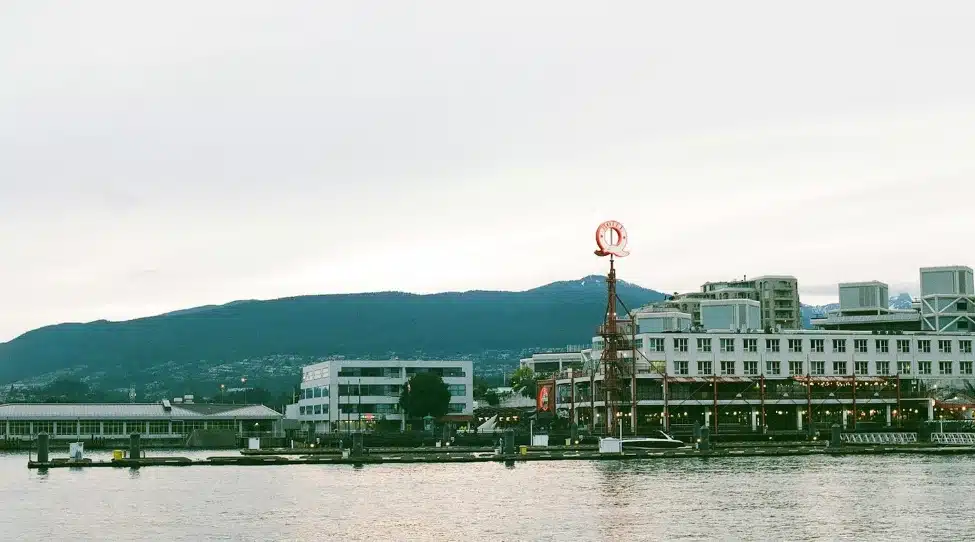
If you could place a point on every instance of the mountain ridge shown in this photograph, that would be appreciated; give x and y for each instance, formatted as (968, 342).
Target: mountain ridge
(314, 326)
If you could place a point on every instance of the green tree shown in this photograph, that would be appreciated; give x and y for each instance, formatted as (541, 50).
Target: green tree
(523, 381)
(492, 398)
(425, 394)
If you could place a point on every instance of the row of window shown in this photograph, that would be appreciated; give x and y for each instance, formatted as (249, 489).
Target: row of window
(354, 408)
(838, 346)
(311, 410)
(99, 428)
(312, 393)
(818, 368)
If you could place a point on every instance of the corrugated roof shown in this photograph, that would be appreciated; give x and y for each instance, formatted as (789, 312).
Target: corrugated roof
(132, 411)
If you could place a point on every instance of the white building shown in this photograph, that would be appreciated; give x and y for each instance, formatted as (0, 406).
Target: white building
(782, 380)
(547, 363)
(352, 395)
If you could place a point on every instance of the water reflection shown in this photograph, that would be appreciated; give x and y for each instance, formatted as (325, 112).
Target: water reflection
(796, 498)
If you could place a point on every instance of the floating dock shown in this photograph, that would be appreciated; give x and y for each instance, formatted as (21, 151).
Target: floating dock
(457, 456)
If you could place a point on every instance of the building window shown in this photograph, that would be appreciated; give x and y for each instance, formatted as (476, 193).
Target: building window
(904, 367)
(903, 346)
(818, 367)
(795, 368)
(91, 428)
(965, 347)
(965, 367)
(882, 346)
(19, 428)
(44, 427)
(944, 347)
(860, 346)
(638, 344)
(860, 368)
(655, 345)
(681, 367)
(924, 346)
(727, 345)
(772, 345)
(158, 428)
(839, 367)
(924, 367)
(883, 367)
(817, 345)
(750, 345)
(318, 409)
(704, 345)
(704, 368)
(680, 345)
(773, 367)
(795, 345)
(727, 367)
(944, 368)
(455, 408)
(839, 345)
(456, 390)
(112, 428)
(751, 367)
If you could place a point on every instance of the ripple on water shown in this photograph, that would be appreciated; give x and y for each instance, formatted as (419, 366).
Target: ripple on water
(789, 498)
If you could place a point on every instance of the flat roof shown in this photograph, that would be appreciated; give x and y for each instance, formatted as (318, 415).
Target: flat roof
(134, 411)
(735, 301)
(865, 283)
(947, 268)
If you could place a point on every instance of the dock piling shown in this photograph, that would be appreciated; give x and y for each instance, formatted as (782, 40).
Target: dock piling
(135, 446)
(705, 444)
(509, 442)
(834, 439)
(43, 445)
(356, 445)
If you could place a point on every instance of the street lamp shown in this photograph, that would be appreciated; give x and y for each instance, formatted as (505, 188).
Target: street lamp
(243, 380)
(222, 386)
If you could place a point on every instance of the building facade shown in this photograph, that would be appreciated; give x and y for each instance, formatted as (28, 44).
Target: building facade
(777, 295)
(750, 381)
(163, 420)
(361, 395)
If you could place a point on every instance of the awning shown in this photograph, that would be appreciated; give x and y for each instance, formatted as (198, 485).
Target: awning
(845, 379)
(709, 379)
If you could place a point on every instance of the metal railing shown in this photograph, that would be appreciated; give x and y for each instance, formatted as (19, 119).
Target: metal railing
(965, 439)
(879, 438)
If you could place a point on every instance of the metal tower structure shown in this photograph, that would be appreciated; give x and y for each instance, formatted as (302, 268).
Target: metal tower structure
(615, 332)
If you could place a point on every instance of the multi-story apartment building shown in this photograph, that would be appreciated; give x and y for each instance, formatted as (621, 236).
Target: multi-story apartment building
(777, 295)
(359, 395)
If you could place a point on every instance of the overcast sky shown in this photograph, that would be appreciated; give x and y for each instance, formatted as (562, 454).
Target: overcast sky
(156, 156)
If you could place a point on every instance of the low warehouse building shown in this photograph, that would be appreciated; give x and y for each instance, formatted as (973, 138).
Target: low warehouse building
(162, 420)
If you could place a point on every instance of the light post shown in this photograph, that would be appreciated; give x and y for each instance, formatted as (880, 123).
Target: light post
(243, 381)
(222, 386)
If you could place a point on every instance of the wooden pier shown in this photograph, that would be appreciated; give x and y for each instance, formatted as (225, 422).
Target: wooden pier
(442, 455)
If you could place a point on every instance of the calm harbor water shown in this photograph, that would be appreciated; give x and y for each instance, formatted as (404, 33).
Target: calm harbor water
(798, 498)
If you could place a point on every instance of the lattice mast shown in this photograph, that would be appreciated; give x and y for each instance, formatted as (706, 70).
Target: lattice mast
(615, 332)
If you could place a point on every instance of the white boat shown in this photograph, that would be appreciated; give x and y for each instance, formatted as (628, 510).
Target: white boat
(661, 440)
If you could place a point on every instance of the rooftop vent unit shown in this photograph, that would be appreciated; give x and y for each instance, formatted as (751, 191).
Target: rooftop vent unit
(188, 399)
(177, 400)
(166, 406)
